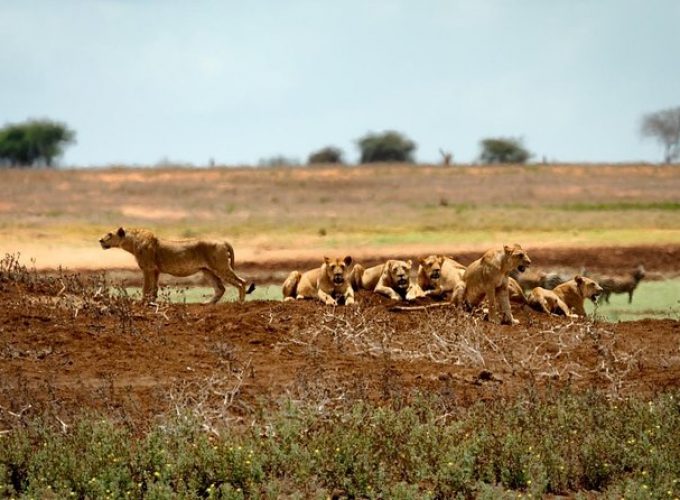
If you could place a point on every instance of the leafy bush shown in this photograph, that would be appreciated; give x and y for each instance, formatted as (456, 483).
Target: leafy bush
(503, 150)
(385, 147)
(278, 161)
(557, 445)
(329, 154)
(33, 142)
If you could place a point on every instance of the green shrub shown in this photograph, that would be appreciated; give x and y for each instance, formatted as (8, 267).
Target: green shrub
(557, 445)
(389, 146)
(503, 150)
(329, 154)
(34, 142)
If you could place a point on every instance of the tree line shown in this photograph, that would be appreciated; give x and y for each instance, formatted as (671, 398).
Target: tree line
(40, 142)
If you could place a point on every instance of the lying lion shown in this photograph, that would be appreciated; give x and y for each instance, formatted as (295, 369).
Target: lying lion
(438, 276)
(391, 279)
(575, 291)
(215, 259)
(547, 301)
(487, 277)
(330, 283)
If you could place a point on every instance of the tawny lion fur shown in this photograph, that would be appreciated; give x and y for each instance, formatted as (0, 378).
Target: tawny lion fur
(575, 291)
(487, 277)
(547, 301)
(438, 276)
(328, 283)
(215, 259)
(391, 279)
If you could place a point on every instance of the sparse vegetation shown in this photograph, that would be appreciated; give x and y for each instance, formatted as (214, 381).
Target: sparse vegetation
(503, 150)
(329, 154)
(389, 146)
(533, 445)
(664, 126)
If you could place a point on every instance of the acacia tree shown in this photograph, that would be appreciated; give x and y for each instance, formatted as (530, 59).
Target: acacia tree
(503, 150)
(664, 126)
(329, 154)
(387, 146)
(34, 142)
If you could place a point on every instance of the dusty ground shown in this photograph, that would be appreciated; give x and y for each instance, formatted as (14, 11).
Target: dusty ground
(64, 352)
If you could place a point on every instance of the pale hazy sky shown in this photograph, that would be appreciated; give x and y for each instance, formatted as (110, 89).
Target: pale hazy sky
(242, 80)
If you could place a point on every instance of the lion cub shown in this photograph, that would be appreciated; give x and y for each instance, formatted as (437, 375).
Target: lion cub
(178, 258)
(330, 283)
(575, 291)
(438, 276)
(391, 279)
(487, 277)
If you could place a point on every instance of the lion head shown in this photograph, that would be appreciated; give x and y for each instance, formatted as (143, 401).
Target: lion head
(516, 257)
(432, 266)
(399, 272)
(111, 240)
(588, 288)
(337, 270)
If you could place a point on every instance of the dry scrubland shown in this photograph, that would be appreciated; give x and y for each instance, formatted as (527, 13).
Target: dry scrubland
(292, 213)
(101, 396)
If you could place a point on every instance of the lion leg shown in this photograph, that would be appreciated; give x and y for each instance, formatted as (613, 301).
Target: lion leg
(289, 287)
(217, 284)
(544, 305)
(458, 294)
(349, 296)
(326, 299)
(150, 287)
(154, 284)
(503, 299)
(491, 299)
(565, 309)
(230, 277)
(387, 291)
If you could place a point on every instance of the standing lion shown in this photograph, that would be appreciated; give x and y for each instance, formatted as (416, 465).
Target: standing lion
(487, 277)
(215, 259)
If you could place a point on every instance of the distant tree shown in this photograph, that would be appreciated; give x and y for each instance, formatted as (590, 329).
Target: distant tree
(447, 157)
(35, 142)
(664, 126)
(503, 150)
(278, 161)
(329, 154)
(387, 146)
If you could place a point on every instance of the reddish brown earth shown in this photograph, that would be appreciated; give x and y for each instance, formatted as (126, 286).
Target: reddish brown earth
(64, 352)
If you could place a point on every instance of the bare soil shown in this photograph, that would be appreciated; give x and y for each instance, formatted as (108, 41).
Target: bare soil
(62, 353)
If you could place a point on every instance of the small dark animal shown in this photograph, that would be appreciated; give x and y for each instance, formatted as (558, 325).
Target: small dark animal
(622, 284)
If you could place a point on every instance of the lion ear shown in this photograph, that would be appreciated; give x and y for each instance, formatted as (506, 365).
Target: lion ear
(121, 232)
(578, 279)
(326, 260)
(507, 249)
(348, 261)
(409, 263)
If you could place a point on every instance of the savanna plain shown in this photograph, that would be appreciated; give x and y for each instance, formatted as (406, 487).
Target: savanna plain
(102, 396)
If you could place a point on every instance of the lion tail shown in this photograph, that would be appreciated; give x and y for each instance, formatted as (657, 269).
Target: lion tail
(289, 287)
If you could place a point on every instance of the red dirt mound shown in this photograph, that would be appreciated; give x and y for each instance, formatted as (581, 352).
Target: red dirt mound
(63, 352)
